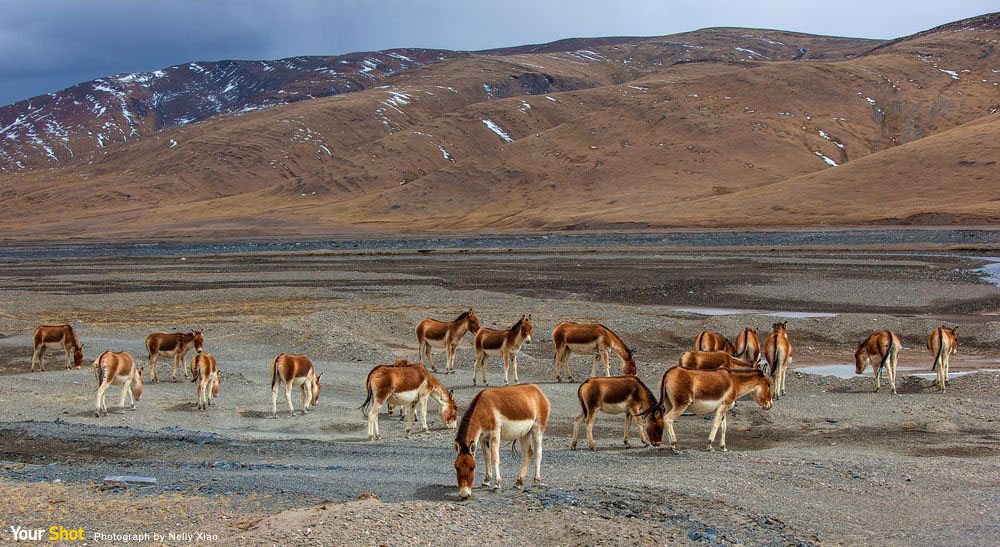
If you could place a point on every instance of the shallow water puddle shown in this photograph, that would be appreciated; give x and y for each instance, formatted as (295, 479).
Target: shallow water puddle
(703, 310)
(991, 272)
(847, 371)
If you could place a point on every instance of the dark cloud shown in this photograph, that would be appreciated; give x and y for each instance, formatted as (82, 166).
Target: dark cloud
(49, 45)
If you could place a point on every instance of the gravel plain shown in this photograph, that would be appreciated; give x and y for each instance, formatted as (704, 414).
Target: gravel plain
(832, 463)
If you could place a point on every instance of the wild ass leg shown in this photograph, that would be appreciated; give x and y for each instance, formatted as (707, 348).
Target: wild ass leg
(506, 368)
(125, 389)
(304, 388)
(131, 398)
(487, 451)
(526, 450)
(152, 365)
(597, 359)
(536, 440)
(100, 399)
(35, 357)
(669, 418)
(892, 371)
(66, 346)
(628, 426)
(514, 362)
(373, 419)
(423, 413)
(425, 355)
(411, 411)
(591, 416)
(495, 456)
(274, 399)
(878, 378)
(642, 427)
(451, 356)
(607, 365)
(722, 430)
(177, 358)
(576, 430)
(557, 363)
(288, 398)
(720, 413)
(784, 376)
(947, 367)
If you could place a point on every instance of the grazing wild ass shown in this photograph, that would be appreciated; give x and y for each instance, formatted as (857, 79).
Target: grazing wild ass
(56, 336)
(499, 414)
(748, 346)
(713, 341)
(432, 333)
(615, 395)
(708, 391)
(505, 343)
(778, 352)
(206, 376)
(942, 342)
(406, 385)
(295, 371)
(589, 338)
(117, 369)
(710, 360)
(175, 344)
(883, 346)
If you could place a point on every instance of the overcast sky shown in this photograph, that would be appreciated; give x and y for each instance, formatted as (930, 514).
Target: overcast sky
(47, 45)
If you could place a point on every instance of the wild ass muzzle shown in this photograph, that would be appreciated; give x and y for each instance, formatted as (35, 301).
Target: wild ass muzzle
(117, 369)
(406, 385)
(709, 391)
(778, 352)
(499, 414)
(748, 346)
(505, 343)
(295, 370)
(207, 377)
(942, 342)
(882, 347)
(710, 360)
(56, 336)
(432, 333)
(175, 344)
(592, 338)
(713, 341)
(617, 395)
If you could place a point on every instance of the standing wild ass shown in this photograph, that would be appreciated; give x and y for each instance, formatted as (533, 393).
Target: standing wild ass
(748, 346)
(593, 338)
(117, 369)
(883, 346)
(708, 391)
(432, 333)
(505, 343)
(499, 414)
(406, 385)
(295, 371)
(175, 344)
(942, 342)
(778, 352)
(615, 395)
(55, 336)
(206, 375)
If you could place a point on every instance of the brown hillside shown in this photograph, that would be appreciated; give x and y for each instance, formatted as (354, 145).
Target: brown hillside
(719, 127)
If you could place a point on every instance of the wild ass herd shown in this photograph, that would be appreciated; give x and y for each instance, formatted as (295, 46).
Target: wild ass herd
(707, 380)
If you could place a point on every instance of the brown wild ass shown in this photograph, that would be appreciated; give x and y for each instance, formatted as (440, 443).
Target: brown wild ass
(432, 333)
(748, 346)
(499, 414)
(505, 343)
(710, 360)
(942, 342)
(55, 336)
(883, 346)
(708, 391)
(295, 371)
(406, 385)
(589, 338)
(778, 352)
(614, 395)
(713, 341)
(206, 375)
(175, 344)
(117, 369)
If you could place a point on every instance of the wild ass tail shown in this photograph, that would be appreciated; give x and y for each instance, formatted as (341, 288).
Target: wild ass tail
(368, 400)
(274, 372)
(937, 360)
(579, 396)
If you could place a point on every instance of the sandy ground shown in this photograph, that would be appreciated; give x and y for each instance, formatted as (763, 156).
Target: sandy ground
(831, 463)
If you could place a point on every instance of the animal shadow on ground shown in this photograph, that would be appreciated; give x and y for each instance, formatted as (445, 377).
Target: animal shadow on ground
(437, 492)
(189, 406)
(257, 414)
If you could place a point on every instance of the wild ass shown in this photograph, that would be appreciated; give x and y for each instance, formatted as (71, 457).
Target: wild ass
(712, 341)
(406, 385)
(295, 371)
(710, 360)
(615, 395)
(175, 344)
(505, 343)
(117, 369)
(55, 336)
(748, 346)
(589, 338)
(778, 352)
(432, 333)
(206, 376)
(518, 412)
(942, 342)
(708, 391)
(884, 346)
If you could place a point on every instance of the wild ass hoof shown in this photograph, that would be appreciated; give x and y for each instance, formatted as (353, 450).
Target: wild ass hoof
(674, 449)
(572, 446)
(496, 489)
(539, 483)
(626, 444)
(711, 448)
(558, 379)
(724, 449)
(593, 447)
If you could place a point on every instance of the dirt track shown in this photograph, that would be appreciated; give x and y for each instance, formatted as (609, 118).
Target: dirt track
(831, 463)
